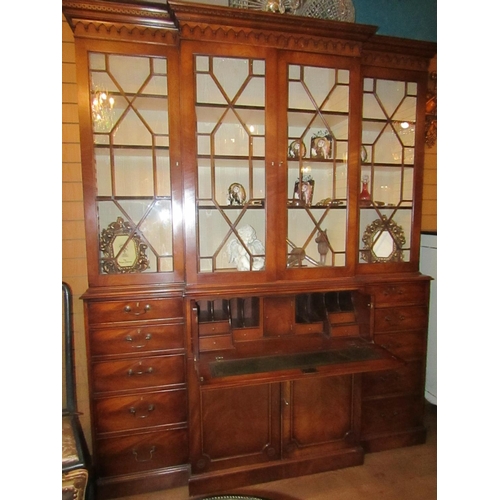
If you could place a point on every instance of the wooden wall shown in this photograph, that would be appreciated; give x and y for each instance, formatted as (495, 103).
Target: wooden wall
(74, 267)
(74, 270)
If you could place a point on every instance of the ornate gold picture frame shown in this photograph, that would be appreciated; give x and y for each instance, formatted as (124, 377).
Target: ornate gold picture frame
(123, 250)
(384, 241)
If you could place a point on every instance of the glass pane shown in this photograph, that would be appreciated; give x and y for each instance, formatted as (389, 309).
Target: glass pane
(387, 173)
(129, 102)
(230, 96)
(318, 133)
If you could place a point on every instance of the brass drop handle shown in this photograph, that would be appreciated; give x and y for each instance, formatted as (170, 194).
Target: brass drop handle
(139, 372)
(145, 414)
(137, 312)
(129, 338)
(146, 456)
(389, 319)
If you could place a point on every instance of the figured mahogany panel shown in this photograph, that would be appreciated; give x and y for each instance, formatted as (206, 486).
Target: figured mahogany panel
(134, 310)
(391, 294)
(407, 379)
(406, 345)
(319, 412)
(278, 316)
(401, 318)
(141, 452)
(390, 415)
(138, 411)
(238, 426)
(137, 340)
(132, 374)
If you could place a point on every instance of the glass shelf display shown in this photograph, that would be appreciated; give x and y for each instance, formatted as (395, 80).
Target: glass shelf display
(387, 166)
(231, 186)
(318, 133)
(129, 102)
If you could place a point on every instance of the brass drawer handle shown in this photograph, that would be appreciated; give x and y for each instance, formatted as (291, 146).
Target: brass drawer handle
(145, 414)
(129, 338)
(146, 456)
(140, 372)
(137, 312)
(390, 319)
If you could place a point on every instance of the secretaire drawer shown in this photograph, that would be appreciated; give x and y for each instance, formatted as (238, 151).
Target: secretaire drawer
(151, 409)
(400, 293)
(407, 379)
(391, 414)
(136, 340)
(400, 318)
(405, 345)
(134, 310)
(141, 452)
(129, 374)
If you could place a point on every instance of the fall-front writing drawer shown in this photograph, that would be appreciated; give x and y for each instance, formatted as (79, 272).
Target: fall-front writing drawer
(136, 340)
(400, 318)
(400, 293)
(406, 379)
(405, 345)
(391, 414)
(132, 374)
(141, 452)
(121, 413)
(133, 310)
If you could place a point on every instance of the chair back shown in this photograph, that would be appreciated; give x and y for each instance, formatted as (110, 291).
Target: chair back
(69, 383)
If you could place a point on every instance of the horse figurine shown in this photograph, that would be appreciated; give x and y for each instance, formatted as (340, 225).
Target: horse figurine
(323, 246)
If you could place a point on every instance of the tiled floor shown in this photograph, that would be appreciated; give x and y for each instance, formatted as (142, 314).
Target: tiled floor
(402, 474)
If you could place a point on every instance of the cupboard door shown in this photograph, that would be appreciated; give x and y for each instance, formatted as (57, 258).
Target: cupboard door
(318, 133)
(390, 169)
(229, 128)
(130, 180)
(239, 426)
(319, 415)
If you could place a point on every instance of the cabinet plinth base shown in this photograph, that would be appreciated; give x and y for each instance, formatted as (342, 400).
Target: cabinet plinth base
(225, 480)
(134, 484)
(390, 441)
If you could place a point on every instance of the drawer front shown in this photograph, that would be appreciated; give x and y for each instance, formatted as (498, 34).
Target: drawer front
(407, 379)
(400, 318)
(406, 345)
(133, 310)
(136, 340)
(139, 411)
(401, 293)
(214, 328)
(142, 452)
(132, 374)
(216, 342)
(305, 328)
(391, 415)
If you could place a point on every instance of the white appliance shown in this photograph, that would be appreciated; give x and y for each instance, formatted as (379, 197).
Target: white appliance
(428, 266)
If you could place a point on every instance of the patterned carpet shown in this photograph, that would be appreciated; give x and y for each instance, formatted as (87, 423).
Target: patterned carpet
(233, 497)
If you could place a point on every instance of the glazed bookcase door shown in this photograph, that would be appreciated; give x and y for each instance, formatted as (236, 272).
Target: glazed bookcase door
(133, 177)
(389, 171)
(319, 128)
(230, 233)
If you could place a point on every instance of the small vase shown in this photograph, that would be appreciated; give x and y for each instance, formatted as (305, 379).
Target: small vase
(364, 196)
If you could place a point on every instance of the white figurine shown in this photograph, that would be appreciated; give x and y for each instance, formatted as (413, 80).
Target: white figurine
(239, 254)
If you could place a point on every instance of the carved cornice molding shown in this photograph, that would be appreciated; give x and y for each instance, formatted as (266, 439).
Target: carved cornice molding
(395, 61)
(228, 34)
(222, 24)
(96, 19)
(393, 52)
(122, 31)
